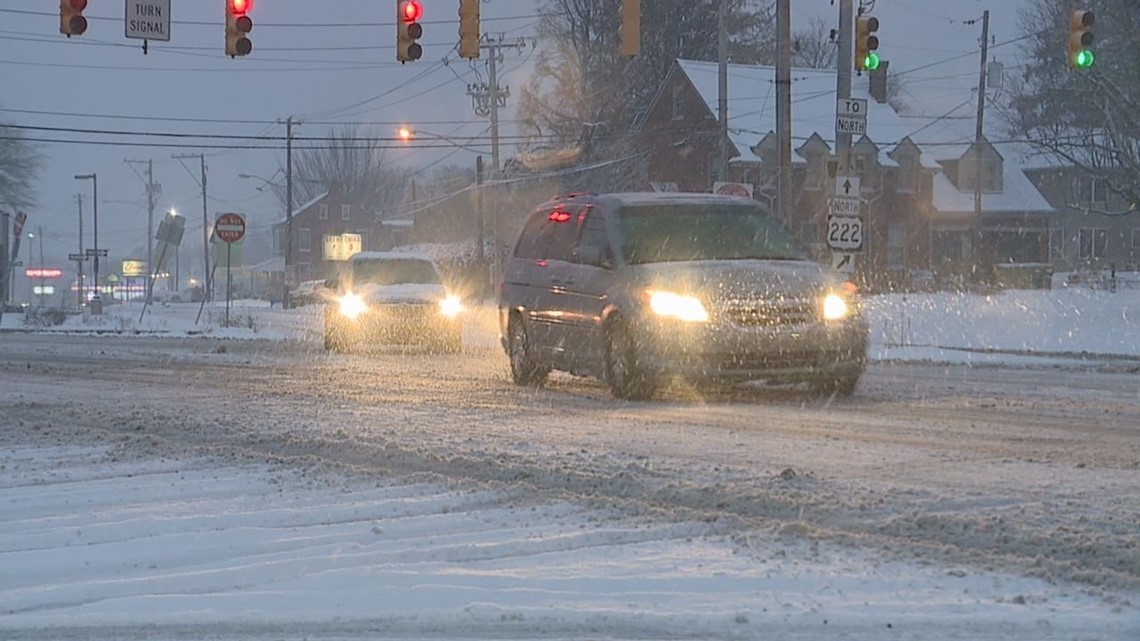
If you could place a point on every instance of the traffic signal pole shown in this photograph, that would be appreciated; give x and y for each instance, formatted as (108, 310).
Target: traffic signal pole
(843, 79)
(784, 107)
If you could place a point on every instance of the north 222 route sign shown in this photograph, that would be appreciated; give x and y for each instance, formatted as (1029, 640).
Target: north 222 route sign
(845, 232)
(229, 228)
(147, 20)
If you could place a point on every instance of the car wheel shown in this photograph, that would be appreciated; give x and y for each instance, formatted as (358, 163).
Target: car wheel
(839, 386)
(525, 369)
(626, 376)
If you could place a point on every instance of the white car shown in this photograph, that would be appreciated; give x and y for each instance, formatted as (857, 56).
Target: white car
(392, 298)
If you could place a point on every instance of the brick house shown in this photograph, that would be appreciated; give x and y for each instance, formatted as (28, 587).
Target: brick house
(912, 191)
(329, 214)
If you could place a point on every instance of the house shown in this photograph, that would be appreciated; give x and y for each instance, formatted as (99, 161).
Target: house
(916, 177)
(318, 241)
(1094, 229)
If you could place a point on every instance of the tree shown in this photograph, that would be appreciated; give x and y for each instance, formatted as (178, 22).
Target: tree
(584, 94)
(1085, 118)
(814, 47)
(20, 164)
(350, 162)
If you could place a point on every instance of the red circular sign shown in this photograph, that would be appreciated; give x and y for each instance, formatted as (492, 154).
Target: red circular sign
(230, 228)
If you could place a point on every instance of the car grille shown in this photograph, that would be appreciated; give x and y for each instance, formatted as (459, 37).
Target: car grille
(770, 313)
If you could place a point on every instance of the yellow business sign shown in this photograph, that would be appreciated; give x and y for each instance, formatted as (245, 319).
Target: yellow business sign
(134, 268)
(342, 246)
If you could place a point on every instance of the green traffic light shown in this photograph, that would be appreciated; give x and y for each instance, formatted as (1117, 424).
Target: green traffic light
(1084, 59)
(872, 61)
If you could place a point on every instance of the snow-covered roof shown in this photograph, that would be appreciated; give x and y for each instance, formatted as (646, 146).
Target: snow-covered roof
(1018, 195)
(635, 199)
(313, 201)
(752, 106)
(391, 255)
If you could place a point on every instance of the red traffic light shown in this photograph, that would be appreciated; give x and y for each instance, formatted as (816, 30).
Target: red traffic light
(412, 11)
(77, 5)
(241, 6)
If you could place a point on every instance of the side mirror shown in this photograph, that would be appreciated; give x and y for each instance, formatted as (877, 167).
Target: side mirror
(594, 255)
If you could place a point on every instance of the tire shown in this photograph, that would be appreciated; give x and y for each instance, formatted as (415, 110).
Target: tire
(526, 371)
(625, 375)
(840, 386)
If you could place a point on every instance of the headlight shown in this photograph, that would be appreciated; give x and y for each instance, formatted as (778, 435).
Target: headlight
(450, 306)
(352, 305)
(835, 308)
(686, 308)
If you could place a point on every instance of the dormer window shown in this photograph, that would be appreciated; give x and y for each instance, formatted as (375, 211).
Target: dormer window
(678, 104)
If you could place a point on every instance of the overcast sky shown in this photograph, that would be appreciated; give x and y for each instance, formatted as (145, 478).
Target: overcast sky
(325, 63)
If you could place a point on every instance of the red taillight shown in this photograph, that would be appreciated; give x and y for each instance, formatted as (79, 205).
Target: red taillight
(559, 216)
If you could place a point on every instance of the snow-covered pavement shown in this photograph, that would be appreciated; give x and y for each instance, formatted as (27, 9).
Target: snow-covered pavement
(188, 481)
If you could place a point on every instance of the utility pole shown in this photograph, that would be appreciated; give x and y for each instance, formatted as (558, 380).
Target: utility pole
(480, 258)
(977, 245)
(207, 276)
(152, 191)
(79, 263)
(488, 98)
(288, 274)
(722, 87)
(40, 233)
(4, 249)
(843, 79)
(784, 107)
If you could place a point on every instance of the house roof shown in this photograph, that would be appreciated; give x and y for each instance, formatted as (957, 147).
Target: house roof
(1018, 195)
(752, 106)
(307, 205)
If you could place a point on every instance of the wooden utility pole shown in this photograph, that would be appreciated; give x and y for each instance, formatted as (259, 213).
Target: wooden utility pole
(784, 107)
(722, 87)
(978, 253)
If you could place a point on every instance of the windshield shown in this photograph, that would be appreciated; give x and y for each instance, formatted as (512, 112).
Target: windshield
(659, 234)
(394, 272)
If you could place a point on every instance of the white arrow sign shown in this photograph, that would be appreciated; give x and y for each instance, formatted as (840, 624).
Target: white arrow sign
(847, 186)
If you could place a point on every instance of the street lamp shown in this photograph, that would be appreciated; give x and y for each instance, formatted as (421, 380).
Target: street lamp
(96, 299)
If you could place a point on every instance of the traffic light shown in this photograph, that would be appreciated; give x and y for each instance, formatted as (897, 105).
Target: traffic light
(629, 31)
(866, 43)
(469, 29)
(238, 26)
(1081, 39)
(71, 20)
(408, 30)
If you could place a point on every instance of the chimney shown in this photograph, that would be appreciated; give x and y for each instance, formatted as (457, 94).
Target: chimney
(879, 81)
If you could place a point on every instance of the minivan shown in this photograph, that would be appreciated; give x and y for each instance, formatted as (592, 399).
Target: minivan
(636, 288)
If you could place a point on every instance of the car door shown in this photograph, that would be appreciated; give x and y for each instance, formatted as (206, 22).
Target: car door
(585, 289)
(532, 280)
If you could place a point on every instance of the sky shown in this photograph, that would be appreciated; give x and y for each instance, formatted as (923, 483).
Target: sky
(324, 75)
(256, 551)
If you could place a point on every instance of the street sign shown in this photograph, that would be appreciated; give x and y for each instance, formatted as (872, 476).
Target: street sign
(170, 230)
(843, 262)
(96, 252)
(147, 19)
(845, 232)
(76, 257)
(18, 226)
(852, 107)
(843, 206)
(847, 186)
(851, 116)
(229, 228)
(342, 246)
(43, 272)
(740, 190)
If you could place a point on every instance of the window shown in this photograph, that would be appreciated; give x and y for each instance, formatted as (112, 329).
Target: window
(1093, 243)
(1135, 238)
(908, 174)
(345, 212)
(896, 246)
(594, 232)
(1091, 189)
(303, 240)
(684, 232)
(1056, 245)
(323, 211)
(550, 234)
(678, 104)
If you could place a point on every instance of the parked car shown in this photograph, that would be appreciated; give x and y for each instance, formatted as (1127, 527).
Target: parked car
(310, 292)
(392, 298)
(634, 288)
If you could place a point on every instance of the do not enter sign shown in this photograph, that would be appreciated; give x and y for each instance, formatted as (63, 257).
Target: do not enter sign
(230, 228)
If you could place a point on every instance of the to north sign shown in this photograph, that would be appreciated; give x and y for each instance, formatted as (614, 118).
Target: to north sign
(229, 228)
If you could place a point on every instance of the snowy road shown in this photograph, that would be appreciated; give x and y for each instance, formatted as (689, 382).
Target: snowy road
(1021, 478)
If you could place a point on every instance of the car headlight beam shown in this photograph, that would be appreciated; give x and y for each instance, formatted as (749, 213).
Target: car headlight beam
(835, 307)
(352, 305)
(450, 306)
(671, 305)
